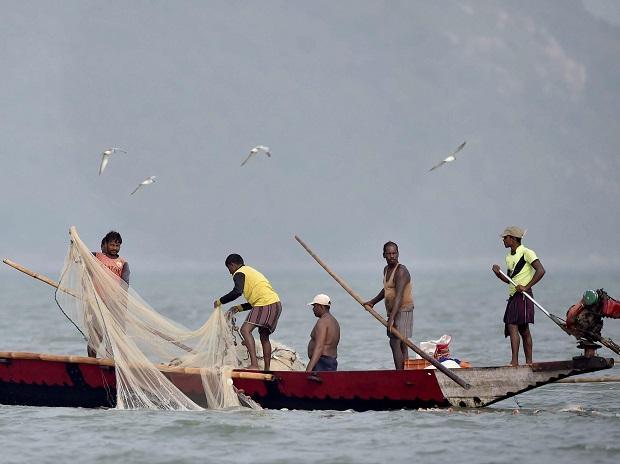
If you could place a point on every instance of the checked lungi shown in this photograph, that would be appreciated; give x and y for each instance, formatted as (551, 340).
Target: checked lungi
(265, 316)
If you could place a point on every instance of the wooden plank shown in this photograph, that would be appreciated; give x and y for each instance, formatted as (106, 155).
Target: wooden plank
(241, 374)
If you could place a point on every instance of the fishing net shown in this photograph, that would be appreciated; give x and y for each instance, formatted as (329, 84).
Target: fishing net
(147, 347)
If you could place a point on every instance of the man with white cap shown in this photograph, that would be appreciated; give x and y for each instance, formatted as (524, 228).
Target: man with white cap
(525, 269)
(323, 345)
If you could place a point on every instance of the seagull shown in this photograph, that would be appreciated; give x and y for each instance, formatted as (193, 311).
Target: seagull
(450, 158)
(255, 150)
(105, 157)
(146, 181)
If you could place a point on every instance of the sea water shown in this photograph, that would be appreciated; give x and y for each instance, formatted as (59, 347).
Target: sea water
(555, 423)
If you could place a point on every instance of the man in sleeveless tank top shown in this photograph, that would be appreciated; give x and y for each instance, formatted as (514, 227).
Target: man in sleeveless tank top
(398, 294)
(262, 301)
(525, 269)
(109, 258)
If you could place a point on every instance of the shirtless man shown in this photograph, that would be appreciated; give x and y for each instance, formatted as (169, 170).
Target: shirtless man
(398, 293)
(323, 345)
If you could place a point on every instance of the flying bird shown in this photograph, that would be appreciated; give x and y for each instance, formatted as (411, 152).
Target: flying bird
(255, 150)
(147, 181)
(105, 157)
(450, 158)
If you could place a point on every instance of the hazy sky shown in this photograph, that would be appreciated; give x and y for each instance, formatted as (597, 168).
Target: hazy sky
(357, 101)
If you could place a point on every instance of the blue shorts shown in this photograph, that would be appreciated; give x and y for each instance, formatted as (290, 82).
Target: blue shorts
(326, 363)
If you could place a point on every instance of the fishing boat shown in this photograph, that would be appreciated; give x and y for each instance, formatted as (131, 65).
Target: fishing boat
(37, 379)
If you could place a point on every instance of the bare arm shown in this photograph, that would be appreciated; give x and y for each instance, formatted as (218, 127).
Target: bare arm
(539, 272)
(496, 270)
(376, 299)
(125, 273)
(401, 279)
(320, 335)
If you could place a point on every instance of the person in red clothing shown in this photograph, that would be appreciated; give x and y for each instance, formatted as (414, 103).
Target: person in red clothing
(110, 246)
(109, 258)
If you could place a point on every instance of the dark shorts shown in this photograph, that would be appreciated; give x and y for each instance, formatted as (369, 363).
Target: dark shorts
(326, 363)
(519, 311)
(265, 316)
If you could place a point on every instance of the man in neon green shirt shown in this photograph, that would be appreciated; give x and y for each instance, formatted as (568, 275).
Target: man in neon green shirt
(525, 269)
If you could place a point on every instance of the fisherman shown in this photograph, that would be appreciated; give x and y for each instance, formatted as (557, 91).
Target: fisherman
(110, 247)
(110, 259)
(263, 302)
(324, 338)
(525, 269)
(398, 293)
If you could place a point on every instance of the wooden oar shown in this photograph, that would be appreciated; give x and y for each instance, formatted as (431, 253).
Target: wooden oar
(378, 317)
(38, 276)
(55, 284)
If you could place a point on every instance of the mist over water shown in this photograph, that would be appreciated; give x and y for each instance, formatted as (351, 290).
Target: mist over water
(356, 99)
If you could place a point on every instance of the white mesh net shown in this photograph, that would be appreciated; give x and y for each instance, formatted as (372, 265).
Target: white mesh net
(120, 325)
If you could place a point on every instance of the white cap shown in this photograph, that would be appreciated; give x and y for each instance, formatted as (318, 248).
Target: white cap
(321, 299)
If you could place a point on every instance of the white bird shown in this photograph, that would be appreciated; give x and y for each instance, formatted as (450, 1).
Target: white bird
(450, 158)
(147, 181)
(105, 157)
(255, 150)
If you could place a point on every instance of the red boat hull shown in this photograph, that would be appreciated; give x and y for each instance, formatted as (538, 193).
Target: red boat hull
(34, 382)
(48, 380)
(72, 384)
(357, 390)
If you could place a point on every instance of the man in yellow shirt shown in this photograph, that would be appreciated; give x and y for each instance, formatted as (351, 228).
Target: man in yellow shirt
(525, 269)
(263, 302)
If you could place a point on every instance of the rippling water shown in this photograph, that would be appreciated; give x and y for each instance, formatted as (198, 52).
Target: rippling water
(555, 423)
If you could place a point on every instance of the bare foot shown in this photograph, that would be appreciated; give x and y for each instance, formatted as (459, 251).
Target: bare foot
(514, 364)
(253, 367)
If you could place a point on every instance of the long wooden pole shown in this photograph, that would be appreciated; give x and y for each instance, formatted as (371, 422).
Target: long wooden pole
(378, 317)
(38, 276)
(235, 374)
(55, 284)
